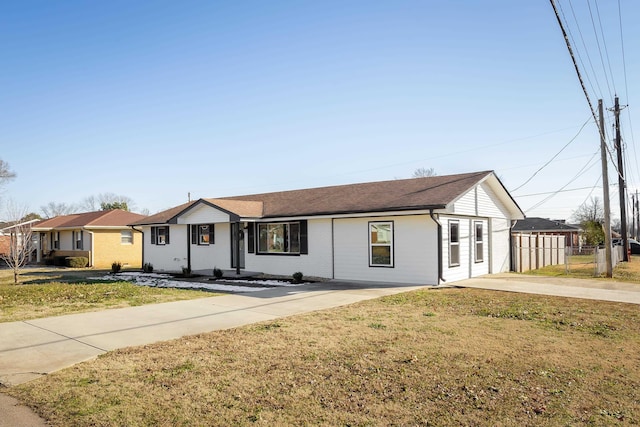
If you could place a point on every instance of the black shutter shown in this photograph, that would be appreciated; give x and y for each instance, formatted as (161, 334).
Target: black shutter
(154, 232)
(304, 241)
(81, 240)
(212, 234)
(167, 228)
(194, 234)
(251, 238)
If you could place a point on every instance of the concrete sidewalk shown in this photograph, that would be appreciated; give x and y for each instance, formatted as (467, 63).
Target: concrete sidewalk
(604, 290)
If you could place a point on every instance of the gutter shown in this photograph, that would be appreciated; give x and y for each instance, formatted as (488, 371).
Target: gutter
(433, 217)
(141, 232)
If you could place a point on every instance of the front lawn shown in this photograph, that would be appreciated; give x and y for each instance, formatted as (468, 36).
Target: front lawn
(435, 357)
(45, 292)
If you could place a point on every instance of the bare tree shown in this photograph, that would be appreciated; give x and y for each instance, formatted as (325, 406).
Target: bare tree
(105, 201)
(423, 173)
(6, 174)
(52, 209)
(20, 244)
(592, 211)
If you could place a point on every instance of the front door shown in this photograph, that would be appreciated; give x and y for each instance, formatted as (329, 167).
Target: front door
(237, 237)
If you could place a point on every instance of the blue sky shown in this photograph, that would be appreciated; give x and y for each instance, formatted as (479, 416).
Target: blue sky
(155, 100)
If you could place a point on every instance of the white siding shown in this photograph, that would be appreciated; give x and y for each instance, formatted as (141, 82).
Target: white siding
(171, 257)
(415, 250)
(488, 204)
(218, 254)
(460, 272)
(500, 245)
(466, 205)
(316, 263)
(203, 214)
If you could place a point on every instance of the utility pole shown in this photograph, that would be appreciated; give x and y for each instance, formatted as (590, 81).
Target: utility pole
(605, 185)
(621, 183)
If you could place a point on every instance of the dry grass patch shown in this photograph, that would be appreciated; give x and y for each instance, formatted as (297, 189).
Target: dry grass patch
(433, 357)
(47, 292)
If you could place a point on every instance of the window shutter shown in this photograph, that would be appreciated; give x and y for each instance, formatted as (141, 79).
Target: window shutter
(154, 239)
(304, 243)
(81, 239)
(251, 238)
(212, 234)
(194, 234)
(167, 228)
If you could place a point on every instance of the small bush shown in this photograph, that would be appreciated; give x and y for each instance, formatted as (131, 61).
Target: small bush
(116, 266)
(297, 277)
(217, 273)
(59, 261)
(147, 267)
(77, 261)
(186, 271)
(49, 261)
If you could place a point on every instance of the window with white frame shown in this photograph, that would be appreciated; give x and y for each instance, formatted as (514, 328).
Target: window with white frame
(479, 241)
(160, 235)
(381, 244)
(55, 240)
(279, 238)
(126, 237)
(454, 243)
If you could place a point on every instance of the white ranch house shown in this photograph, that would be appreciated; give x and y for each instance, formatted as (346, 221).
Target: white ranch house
(421, 231)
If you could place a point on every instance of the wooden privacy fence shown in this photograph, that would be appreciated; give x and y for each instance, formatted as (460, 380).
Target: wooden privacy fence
(533, 251)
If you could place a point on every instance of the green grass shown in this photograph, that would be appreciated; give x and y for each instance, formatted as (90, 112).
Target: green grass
(52, 292)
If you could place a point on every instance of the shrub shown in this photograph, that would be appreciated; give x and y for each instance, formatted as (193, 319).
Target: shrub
(59, 260)
(186, 271)
(297, 277)
(49, 261)
(116, 266)
(217, 273)
(147, 267)
(77, 261)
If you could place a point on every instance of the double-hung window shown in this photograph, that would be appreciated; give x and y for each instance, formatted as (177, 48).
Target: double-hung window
(55, 240)
(454, 243)
(160, 235)
(381, 244)
(479, 242)
(77, 239)
(126, 237)
(202, 234)
(279, 238)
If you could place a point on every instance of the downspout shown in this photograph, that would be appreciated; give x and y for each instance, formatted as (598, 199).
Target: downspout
(141, 232)
(92, 240)
(433, 217)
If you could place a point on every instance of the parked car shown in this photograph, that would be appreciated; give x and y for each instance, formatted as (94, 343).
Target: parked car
(634, 245)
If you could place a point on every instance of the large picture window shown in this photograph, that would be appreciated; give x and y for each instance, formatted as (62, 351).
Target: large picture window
(381, 244)
(479, 242)
(454, 243)
(160, 235)
(279, 238)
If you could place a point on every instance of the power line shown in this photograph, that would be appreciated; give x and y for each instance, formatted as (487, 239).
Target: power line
(552, 158)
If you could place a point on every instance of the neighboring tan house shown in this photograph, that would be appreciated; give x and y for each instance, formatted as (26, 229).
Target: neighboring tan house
(542, 226)
(421, 230)
(102, 236)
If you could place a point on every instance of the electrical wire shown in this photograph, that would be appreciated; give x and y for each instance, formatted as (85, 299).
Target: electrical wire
(553, 158)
